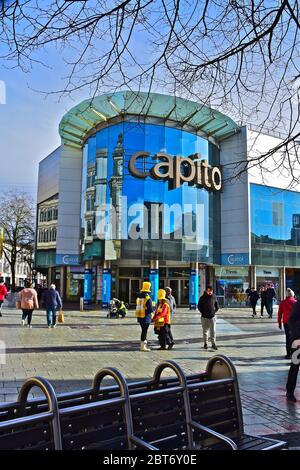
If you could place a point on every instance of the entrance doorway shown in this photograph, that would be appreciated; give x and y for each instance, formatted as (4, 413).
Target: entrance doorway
(180, 290)
(128, 289)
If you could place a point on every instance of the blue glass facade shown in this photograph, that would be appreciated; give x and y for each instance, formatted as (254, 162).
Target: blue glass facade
(107, 180)
(275, 226)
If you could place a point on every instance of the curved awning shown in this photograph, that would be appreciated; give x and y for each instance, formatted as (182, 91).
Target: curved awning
(80, 121)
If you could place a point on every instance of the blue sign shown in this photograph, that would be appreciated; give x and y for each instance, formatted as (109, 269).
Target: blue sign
(194, 288)
(88, 287)
(66, 259)
(235, 259)
(106, 287)
(153, 278)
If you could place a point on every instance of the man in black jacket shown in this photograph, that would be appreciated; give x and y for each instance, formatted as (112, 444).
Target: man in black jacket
(270, 295)
(253, 297)
(294, 327)
(208, 306)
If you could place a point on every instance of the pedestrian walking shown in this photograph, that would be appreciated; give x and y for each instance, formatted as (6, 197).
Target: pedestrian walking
(270, 296)
(52, 302)
(3, 293)
(284, 314)
(172, 302)
(263, 297)
(162, 321)
(294, 330)
(208, 307)
(171, 299)
(253, 297)
(28, 302)
(143, 313)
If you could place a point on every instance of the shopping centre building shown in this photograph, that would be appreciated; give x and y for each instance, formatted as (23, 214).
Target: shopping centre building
(141, 188)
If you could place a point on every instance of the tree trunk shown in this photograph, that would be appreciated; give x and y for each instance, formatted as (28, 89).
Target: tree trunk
(13, 277)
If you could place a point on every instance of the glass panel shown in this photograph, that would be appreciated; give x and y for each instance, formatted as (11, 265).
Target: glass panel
(190, 215)
(275, 227)
(130, 272)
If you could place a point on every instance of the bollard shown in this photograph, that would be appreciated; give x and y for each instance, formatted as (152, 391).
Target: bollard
(81, 304)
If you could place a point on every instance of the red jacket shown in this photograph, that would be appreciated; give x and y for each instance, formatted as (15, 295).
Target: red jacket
(3, 292)
(285, 310)
(163, 311)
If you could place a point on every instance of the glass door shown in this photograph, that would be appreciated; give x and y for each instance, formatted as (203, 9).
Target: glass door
(134, 289)
(174, 284)
(124, 290)
(184, 292)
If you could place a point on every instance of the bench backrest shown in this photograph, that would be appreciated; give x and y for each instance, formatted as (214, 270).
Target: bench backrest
(156, 411)
(216, 402)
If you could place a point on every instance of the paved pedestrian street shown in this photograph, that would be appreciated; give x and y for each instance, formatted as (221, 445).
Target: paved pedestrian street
(70, 355)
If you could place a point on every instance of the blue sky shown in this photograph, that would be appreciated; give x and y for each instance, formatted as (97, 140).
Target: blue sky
(29, 121)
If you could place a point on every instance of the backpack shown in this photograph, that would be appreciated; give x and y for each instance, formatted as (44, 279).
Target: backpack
(140, 310)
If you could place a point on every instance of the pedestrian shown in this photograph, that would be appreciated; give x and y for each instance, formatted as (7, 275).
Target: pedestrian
(263, 294)
(52, 302)
(143, 313)
(208, 307)
(171, 299)
(3, 293)
(121, 308)
(284, 314)
(294, 330)
(28, 302)
(172, 302)
(162, 321)
(253, 297)
(270, 296)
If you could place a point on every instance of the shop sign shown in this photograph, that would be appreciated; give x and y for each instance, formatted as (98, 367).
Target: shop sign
(67, 259)
(234, 259)
(267, 272)
(199, 173)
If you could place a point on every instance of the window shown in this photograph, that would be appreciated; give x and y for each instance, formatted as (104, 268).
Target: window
(100, 194)
(89, 228)
(90, 180)
(55, 213)
(54, 234)
(90, 203)
(102, 168)
(46, 236)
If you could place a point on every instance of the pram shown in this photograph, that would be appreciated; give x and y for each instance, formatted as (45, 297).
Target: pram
(117, 308)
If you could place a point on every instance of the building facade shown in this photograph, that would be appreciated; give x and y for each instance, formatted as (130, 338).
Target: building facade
(22, 271)
(141, 188)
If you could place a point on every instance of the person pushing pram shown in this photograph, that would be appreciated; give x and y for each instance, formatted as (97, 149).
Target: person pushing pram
(117, 309)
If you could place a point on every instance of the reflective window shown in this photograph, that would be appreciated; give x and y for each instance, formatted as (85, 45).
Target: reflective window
(194, 232)
(275, 228)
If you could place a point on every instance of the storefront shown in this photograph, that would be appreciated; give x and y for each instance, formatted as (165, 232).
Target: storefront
(231, 285)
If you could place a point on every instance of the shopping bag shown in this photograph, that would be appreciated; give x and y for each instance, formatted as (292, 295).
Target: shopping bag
(60, 317)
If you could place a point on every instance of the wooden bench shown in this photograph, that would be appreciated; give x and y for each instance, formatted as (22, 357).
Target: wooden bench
(200, 411)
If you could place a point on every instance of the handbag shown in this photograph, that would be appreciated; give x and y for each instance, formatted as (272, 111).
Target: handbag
(60, 317)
